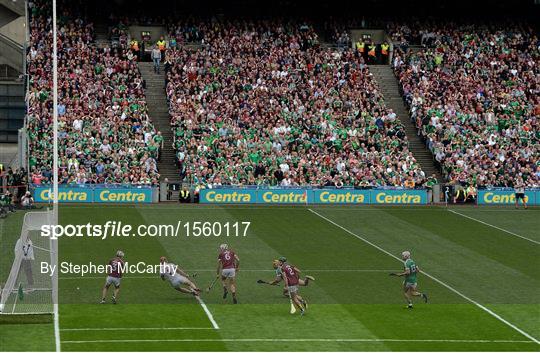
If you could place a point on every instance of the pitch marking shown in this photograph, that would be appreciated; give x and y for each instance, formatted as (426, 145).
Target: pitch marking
(433, 278)
(493, 226)
(134, 328)
(292, 340)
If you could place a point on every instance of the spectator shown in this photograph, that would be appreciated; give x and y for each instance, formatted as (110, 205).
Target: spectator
(156, 58)
(27, 201)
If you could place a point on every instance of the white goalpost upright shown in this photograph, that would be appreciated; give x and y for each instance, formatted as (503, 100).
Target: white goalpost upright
(28, 290)
(54, 242)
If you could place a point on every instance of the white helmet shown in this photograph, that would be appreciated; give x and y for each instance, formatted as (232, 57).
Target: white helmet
(120, 253)
(406, 254)
(223, 247)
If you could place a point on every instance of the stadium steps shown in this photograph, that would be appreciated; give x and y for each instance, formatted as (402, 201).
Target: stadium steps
(101, 31)
(389, 87)
(158, 110)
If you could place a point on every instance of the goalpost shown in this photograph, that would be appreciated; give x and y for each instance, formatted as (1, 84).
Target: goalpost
(41, 291)
(28, 290)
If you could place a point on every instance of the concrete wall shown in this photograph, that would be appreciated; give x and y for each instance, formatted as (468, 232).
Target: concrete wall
(6, 15)
(11, 54)
(16, 6)
(15, 30)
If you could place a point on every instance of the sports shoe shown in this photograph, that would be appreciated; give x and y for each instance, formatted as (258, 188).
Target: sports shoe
(102, 301)
(302, 312)
(425, 297)
(409, 306)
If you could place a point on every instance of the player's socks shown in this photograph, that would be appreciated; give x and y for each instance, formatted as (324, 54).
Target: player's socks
(234, 300)
(424, 295)
(302, 312)
(225, 293)
(113, 299)
(304, 303)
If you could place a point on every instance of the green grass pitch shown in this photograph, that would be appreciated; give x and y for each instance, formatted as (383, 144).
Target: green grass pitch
(354, 304)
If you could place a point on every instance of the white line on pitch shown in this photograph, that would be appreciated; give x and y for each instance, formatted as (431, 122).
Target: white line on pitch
(148, 277)
(134, 328)
(293, 340)
(433, 278)
(208, 313)
(494, 226)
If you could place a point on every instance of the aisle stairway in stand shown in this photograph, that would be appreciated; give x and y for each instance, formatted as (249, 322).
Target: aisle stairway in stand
(388, 84)
(158, 111)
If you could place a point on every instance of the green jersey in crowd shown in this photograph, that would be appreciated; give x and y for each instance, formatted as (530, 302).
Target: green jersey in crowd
(411, 266)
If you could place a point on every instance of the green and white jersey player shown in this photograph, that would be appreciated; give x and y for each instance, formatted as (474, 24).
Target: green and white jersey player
(410, 283)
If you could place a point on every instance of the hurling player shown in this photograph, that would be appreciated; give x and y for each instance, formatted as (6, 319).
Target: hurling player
(228, 265)
(176, 277)
(279, 277)
(114, 276)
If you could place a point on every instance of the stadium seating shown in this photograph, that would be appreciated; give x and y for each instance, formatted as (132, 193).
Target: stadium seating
(262, 103)
(105, 134)
(473, 94)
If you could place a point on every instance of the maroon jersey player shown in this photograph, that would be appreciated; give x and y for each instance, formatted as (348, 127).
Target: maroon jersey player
(228, 265)
(279, 277)
(291, 275)
(114, 276)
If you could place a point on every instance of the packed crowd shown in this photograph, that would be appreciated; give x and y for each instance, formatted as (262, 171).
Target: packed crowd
(261, 103)
(105, 133)
(13, 189)
(474, 94)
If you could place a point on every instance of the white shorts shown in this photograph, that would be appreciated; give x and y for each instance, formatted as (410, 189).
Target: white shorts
(177, 281)
(228, 272)
(113, 280)
(293, 289)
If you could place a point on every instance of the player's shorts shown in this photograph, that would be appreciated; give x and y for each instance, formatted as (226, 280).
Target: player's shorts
(293, 289)
(520, 195)
(177, 281)
(228, 272)
(113, 280)
(409, 285)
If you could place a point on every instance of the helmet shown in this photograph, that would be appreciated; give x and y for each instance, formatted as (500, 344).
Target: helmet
(223, 247)
(163, 259)
(120, 253)
(406, 254)
(283, 259)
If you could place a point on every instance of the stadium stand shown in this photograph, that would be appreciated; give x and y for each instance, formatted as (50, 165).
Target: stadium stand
(262, 103)
(106, 135)
(473, 93)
